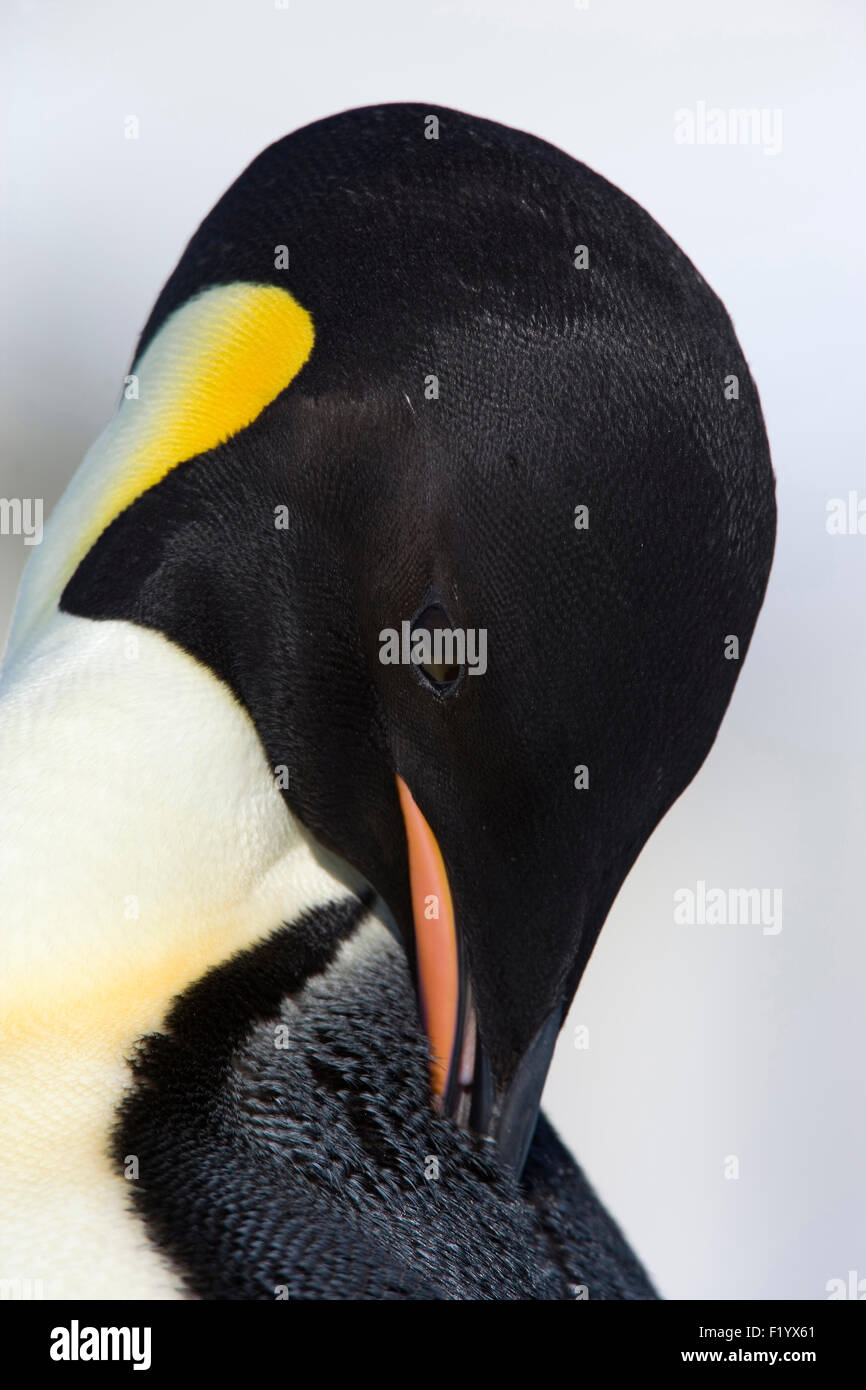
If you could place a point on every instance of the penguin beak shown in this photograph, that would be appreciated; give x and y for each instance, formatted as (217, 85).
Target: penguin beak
(437, 948)
(460, 1072)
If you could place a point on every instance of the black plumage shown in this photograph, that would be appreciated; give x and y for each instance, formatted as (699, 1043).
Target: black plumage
(268, 1172)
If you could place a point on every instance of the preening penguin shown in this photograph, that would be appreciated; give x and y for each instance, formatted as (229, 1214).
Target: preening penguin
(290, 923)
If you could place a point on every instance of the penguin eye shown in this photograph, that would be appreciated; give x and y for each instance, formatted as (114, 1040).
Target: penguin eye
(438, 650)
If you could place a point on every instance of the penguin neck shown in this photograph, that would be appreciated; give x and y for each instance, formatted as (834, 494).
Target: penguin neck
(142, 837)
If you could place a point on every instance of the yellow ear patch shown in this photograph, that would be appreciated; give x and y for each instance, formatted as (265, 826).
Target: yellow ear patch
(214, 365)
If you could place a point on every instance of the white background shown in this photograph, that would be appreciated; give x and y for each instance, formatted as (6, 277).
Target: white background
(705, 1042)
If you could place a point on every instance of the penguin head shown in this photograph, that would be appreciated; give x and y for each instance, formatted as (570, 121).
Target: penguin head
(471, 558)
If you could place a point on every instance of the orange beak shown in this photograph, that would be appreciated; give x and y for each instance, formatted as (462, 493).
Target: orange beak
(436, 945)
(462, 1081)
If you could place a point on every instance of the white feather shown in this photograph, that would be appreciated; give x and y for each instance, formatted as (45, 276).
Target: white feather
(142, 840)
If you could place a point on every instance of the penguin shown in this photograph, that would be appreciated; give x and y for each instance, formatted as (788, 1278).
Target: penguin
(367, 647)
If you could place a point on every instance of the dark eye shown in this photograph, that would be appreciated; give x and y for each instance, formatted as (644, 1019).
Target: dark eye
(438, 649)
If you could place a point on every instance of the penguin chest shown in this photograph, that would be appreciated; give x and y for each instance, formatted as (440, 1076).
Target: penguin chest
(142, 843)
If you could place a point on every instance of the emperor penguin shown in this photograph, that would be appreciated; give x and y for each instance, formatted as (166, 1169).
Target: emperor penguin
(366, 648)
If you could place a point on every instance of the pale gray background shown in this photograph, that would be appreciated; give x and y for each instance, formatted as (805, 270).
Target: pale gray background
(704, 1042)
